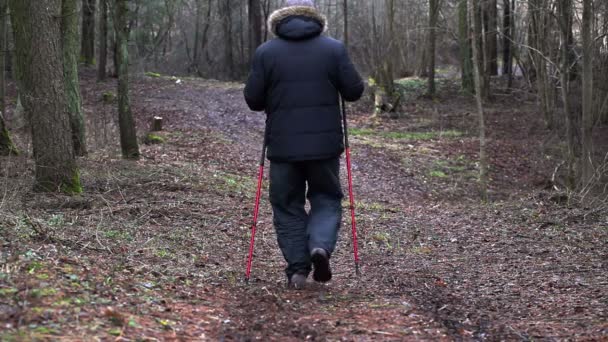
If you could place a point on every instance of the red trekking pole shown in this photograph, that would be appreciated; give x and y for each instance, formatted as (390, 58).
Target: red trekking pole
(256, 210)
(350, 189)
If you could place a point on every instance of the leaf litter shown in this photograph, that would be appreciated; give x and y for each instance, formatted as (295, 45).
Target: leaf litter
(156, 249)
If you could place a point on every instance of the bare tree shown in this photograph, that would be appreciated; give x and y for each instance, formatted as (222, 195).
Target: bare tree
(226, 8)
(255, 25)
(128, 133)
(6, 144)
(103, 40)
(490, 39)
(69, 39)
(88, 32)
(507, 60)
(433, 16)
(588, 105)
(464, 38)
(565, 20)
(483, 162)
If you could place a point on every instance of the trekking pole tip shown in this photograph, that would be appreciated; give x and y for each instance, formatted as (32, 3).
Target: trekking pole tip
(357, 271)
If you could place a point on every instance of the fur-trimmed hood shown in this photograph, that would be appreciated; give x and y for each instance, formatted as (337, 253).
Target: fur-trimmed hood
(305, 11)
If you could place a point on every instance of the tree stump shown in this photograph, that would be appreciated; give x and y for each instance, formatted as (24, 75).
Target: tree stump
(157, 124)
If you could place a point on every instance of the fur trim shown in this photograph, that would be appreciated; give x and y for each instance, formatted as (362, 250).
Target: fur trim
(277, 16)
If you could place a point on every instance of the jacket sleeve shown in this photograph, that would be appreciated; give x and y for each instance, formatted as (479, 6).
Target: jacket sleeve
(255, 89)
(350, 84)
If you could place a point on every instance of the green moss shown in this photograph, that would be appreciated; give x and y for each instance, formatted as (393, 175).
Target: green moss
(361, 132)
(74, 187)
(40, 293)
(405, 135)
(7, 292)
(153, 74)
(438, 174)
(108, 97)
(6, 144)
(152, 139)
(13, 336)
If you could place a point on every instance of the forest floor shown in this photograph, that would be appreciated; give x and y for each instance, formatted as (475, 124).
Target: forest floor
(156, 249)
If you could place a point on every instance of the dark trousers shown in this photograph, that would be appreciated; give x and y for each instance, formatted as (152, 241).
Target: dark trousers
(298, 231)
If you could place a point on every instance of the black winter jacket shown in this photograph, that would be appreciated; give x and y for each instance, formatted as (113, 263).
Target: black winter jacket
(297, 78)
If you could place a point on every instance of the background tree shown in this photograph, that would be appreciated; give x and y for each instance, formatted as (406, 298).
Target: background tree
(345, 13)
(490, 39)
(128, 133)
(41, 82)
(6, 144)
(69, 39)
(226, 7)
(507, 60)
(588, 105)
(103, 40)
(566, 71)
(464, 45)
(483, 162)
(433, 16)
(255, 25)
(88, 32)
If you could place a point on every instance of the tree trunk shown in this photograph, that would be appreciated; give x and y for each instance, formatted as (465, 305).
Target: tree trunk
(490, 10)
(228, 53)
(565, 15)
(483, 163)
(197, 34)
(588, 107)
(6, 144)
(88, 32)
(507, 60)
(433, 14)
(103, 40)
(345, 13)
(255, 25)
(43, 90)
(128, 133)
(479, 40)
(538, 40)
(69, 37)
(465, 48)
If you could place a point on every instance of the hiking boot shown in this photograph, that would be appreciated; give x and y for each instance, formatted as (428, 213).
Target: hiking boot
(297, 281)
(320, 261)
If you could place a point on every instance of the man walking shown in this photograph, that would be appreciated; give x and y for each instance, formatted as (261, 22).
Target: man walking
(297, 79)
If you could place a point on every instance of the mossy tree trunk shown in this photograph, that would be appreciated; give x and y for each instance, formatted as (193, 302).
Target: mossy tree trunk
(69, 37)
(88, 32)
(103, 40)
(6, 144)
(43, 92)
(128, 133)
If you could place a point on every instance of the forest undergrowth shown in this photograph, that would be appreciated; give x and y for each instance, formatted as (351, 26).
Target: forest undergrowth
(155, 249)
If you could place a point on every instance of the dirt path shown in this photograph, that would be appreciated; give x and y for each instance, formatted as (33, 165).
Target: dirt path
(156, 249)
